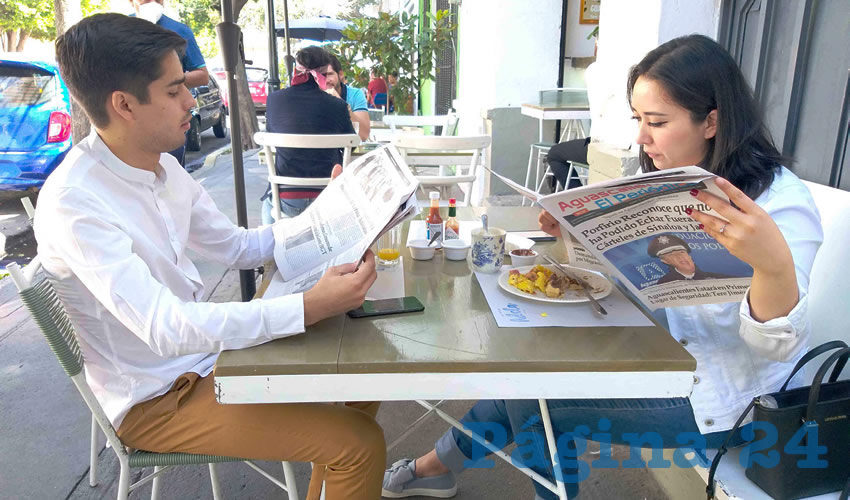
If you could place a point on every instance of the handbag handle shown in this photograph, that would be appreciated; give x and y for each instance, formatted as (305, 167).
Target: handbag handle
(709, 488)
(814, 391)
(817, 351)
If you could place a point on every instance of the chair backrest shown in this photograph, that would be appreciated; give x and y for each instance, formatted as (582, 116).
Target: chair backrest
(271, 140)
(46, 308)
(429, 148)
(442, 143)
(447, 122)
(829, 289)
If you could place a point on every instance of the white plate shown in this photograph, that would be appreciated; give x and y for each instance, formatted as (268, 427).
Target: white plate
(601, 286)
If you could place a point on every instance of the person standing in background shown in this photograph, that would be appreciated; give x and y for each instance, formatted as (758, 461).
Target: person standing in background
(194, 66)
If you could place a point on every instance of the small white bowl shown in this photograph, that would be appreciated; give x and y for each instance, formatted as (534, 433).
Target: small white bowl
(523, 260)
(455, 249)
(420, 250)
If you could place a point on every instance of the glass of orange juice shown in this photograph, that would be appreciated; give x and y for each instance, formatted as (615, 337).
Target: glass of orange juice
(389, 247)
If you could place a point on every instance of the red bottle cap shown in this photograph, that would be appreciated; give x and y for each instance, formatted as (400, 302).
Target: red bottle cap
(452, 200)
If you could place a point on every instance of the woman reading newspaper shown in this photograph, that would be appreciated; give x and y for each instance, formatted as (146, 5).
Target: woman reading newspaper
(693, 107)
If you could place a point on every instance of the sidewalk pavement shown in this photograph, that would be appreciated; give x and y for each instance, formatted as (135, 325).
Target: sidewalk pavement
(45, 425)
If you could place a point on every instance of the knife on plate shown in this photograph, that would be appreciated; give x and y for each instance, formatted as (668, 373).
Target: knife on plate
(584, 286)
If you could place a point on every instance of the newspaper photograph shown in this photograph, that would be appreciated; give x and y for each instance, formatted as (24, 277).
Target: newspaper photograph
(371, 195)
(637, 229)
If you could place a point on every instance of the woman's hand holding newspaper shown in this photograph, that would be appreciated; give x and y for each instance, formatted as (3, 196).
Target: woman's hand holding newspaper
(549, 224)
(750, 234)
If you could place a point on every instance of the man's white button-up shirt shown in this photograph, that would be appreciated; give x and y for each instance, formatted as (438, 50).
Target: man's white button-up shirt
(113, 239)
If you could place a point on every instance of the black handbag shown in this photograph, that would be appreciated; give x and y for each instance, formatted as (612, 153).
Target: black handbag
(801, 444)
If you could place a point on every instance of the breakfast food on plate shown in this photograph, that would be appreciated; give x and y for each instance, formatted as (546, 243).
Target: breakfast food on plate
(543, 279)
(522, 252)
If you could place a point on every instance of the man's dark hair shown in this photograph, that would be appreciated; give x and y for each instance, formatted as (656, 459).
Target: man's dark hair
(394, 74)
(108, 52)
(313, 57)
(337, 67)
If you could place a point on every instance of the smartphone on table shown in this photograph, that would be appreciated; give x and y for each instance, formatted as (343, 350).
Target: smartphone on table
(383, 307)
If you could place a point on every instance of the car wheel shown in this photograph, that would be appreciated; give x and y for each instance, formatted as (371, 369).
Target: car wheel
(220, 128)
(193, 137)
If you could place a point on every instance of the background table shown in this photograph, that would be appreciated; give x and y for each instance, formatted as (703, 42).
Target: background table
(561, 104)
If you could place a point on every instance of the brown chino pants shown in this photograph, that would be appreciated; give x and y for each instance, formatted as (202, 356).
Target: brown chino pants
(345, 443)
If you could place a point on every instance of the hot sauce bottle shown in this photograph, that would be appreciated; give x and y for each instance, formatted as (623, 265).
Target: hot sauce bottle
(452, 225)
(434, 222)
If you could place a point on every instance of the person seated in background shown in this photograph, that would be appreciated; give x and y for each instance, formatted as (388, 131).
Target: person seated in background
(357, 106)
(376, 86)
(304, 108)
(561, 156)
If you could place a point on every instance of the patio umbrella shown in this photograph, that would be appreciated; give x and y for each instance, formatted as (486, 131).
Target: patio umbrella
(320, 29)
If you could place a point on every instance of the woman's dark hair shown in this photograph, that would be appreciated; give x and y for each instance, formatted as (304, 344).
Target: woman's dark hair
(700, 76)
(108, 52)
(313, 57)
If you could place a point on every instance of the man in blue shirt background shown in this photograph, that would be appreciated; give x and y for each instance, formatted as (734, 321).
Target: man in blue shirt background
(194, 66)
(354, 97)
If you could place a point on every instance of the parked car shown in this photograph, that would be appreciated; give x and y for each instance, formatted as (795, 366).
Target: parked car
(257, 85)
(208, 112)
(35, 122)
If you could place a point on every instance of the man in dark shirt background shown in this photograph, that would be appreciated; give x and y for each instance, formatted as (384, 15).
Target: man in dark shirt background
(304, 108)
(194, 66)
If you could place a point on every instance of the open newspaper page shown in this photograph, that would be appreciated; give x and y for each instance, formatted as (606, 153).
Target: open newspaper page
(346, 218)
(638, 229)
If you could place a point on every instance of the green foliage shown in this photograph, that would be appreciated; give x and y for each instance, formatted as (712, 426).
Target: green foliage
(390, 43)
(200, 15)
(34, 18)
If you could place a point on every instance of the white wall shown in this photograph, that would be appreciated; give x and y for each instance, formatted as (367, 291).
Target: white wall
(508, 50)
(627, 31)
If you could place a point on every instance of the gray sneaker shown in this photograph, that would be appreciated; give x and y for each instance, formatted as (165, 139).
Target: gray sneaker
(400, 481)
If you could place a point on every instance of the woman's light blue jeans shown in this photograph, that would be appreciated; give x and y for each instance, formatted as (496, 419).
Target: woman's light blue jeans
(288, 208)
(639, 423)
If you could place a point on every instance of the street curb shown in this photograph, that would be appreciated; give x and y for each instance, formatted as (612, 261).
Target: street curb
(212, 157)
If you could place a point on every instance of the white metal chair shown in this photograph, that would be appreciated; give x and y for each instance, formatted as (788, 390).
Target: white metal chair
(270, 141)
(464, 153)
(447, 122)
(46, 308)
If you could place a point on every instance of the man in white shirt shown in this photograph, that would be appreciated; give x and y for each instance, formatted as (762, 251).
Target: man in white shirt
(113, 224)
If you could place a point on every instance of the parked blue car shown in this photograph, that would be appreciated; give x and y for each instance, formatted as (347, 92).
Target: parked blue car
(35, 122)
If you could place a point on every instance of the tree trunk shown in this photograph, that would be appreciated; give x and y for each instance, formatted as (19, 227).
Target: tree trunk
(67, 13)
(11, 40)
(23, 36)
(247, 113)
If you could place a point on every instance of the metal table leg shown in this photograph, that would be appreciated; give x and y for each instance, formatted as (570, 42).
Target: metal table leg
(553, 450)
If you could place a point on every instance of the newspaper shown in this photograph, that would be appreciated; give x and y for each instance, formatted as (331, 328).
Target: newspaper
(636, 229)
(374, 193)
